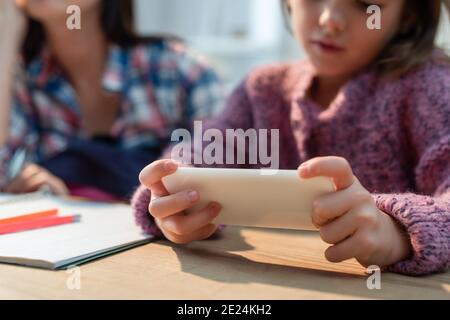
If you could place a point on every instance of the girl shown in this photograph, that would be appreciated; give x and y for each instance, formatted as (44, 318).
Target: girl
(90, 103)
(369, 109)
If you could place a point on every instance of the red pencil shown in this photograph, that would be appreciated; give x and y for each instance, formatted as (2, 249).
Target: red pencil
(38, 224)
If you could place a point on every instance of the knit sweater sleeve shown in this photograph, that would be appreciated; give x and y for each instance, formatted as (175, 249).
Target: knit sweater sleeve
(236, 114)
(425, 213)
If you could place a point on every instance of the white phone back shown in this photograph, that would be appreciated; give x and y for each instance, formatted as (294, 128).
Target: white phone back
(248, 198)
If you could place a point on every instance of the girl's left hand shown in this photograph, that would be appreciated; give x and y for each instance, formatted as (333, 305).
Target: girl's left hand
(350, 220)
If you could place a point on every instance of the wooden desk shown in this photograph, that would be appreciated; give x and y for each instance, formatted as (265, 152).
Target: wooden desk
(242, 264)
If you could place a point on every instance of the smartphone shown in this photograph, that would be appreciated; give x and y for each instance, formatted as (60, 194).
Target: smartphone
(251, 198)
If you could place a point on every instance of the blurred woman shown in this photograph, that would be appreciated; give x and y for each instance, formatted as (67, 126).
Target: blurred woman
(91, 106)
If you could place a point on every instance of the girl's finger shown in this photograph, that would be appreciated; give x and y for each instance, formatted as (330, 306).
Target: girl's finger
(336, 168)
(331, 206)
(151, 176)
(347, 249)
(183, 225)
(158, 189)
(341, 228)
(201, 234)
(162, 207)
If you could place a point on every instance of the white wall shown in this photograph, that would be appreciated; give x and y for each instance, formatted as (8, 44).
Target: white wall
(235, 34)
(444, 33)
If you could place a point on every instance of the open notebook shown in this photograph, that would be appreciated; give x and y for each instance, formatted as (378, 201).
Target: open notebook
(104, 229)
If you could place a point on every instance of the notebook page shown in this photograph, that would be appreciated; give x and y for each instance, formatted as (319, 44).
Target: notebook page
(5, 197)
(102, 227)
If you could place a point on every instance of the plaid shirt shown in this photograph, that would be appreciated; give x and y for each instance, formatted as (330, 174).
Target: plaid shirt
(163, 86)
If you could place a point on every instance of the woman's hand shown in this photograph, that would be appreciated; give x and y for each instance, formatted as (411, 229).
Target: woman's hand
(33, 177)
(12, 25)
(167, 209)
(12, 28)
(350, 220)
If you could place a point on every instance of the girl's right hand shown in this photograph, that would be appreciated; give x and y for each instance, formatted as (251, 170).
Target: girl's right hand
(12, 25)
(167, 209)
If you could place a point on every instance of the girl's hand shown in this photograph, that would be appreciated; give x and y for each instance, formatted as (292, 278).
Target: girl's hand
(32, 178)
(167, 209)
(350, 220)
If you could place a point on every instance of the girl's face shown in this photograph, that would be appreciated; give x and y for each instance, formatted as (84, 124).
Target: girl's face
(43, 10)
(335, 35)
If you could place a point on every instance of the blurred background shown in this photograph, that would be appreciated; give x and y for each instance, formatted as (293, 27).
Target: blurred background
(235, 35)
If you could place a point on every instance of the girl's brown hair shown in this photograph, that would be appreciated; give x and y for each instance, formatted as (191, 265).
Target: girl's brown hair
(117, 21)
(415, 42)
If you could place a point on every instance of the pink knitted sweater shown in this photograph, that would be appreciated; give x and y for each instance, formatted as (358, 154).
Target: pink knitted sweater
(395, 133)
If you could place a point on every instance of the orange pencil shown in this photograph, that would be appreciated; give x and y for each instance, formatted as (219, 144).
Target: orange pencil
(29, 217)
(37, 224)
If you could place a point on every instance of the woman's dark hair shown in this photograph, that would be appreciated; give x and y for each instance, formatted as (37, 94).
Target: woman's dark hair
(117, 22)
(414, 44)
